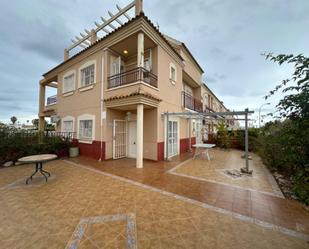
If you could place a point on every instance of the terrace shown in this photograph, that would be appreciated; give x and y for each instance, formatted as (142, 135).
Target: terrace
(115, 205)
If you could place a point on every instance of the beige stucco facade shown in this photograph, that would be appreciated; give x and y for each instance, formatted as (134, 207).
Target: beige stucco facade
(134, 66)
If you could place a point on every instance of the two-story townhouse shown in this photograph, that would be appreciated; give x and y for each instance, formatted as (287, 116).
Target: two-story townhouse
(113, 92)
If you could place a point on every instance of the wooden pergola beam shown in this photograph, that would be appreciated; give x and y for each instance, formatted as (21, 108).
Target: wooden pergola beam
(83, 41)
(125, 14)
(107, 22)
(117, 20)
(104, 29)
(53, 84)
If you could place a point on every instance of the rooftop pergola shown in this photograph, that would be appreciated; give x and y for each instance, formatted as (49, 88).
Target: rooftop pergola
(105, 26)
(213, 116)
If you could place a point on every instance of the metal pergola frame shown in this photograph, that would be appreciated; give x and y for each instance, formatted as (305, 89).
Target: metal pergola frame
(212, 116)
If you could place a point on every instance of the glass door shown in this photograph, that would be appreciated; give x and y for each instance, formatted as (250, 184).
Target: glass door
(172, 138)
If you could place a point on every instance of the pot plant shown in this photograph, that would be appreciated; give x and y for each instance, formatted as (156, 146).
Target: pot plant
(74, 150)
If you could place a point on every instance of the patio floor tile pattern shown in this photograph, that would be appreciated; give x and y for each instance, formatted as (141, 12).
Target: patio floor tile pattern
(213, 170)
(47, 216)
(257, 205)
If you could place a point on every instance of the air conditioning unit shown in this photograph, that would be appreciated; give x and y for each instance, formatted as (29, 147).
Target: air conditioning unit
(54, 119)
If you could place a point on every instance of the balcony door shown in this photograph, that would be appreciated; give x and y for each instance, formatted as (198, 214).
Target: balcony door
(188, 96)
(173, 138)
(115, 65)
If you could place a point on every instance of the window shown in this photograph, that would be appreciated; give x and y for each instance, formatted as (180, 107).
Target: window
(85, 129)
(87, 75)
(68, 126)
(69, 83)
(173, 73)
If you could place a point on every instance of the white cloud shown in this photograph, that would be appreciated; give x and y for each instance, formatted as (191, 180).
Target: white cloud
(227, 38)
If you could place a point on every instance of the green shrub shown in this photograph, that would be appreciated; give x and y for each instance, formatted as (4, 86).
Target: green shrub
(285, 147)
(15, 144)
(301, 184)
(222, 136)
(253, 139)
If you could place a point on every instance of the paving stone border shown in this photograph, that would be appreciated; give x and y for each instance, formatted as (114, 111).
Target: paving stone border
(84, 222)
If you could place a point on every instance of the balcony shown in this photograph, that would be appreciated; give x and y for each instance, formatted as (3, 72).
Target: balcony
(132, 76)
(50, 107)
(191, 103)
(52, 100)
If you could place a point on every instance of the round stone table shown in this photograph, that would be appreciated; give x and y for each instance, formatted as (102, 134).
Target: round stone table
(38, 160)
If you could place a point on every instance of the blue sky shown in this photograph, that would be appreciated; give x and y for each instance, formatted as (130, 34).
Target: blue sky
(226, 37)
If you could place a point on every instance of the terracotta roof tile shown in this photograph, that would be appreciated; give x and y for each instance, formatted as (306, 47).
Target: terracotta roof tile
(136, 93)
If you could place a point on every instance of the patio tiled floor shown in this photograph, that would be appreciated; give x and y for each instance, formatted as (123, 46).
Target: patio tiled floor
(253, 204)
(223, 160)
(89, 209)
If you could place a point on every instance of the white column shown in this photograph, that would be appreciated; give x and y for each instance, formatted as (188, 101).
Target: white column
(140, 50)
(41, 106)
(140, 137)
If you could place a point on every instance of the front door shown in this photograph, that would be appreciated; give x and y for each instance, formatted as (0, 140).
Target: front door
(132, 139)
(119, 139)
(172, 138)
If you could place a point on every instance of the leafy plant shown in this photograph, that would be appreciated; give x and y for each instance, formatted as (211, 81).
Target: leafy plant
(223, 138)
(15, 144)
(296, 103)
(285, 143)
(301, 184)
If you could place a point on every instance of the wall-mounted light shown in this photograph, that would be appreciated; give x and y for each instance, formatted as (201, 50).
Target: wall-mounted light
(125, 51)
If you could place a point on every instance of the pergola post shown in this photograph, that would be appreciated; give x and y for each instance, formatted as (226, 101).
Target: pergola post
(138, 7)
(93, 36)
(246, 169)
(41, 106)
(66, 54)
(246, 140)
(139, 140)
(41, 125)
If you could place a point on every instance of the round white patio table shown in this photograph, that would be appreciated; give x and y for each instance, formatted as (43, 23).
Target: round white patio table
(205, 147)
(38, 160)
